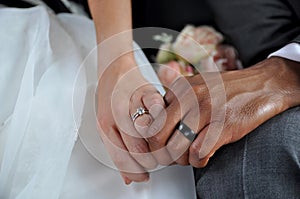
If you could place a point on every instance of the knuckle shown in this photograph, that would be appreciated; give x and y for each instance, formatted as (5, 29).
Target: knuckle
(143, 121)
(157, 99)
(169, 96)
(163, 157)
(201, 90)
(155, 142)
(194, 151)
(154, 129)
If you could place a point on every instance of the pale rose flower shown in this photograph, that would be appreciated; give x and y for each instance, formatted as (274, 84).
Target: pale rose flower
(223, 59)
(199, 46)
(194, 44)
(206, 35)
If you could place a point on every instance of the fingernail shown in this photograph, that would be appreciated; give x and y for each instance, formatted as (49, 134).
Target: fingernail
(127, 181)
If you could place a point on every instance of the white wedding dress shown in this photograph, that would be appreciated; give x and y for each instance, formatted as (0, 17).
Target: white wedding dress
(47, 91)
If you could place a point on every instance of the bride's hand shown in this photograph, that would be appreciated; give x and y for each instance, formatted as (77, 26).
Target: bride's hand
(121, 91)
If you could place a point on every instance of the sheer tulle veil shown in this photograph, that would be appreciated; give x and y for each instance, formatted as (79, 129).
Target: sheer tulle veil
(41, 154)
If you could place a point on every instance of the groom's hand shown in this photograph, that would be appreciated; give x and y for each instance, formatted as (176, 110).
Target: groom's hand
(221, 108)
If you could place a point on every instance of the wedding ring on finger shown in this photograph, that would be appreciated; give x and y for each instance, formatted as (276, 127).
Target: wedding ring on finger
(139, 112)
(187, 132)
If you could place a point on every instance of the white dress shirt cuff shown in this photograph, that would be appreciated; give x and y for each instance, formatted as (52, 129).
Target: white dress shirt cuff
(290, 51)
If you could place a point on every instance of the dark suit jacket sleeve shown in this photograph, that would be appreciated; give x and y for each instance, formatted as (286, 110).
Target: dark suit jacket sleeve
(257, 27)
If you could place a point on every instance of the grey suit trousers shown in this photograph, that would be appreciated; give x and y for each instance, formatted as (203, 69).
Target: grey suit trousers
(264, 164)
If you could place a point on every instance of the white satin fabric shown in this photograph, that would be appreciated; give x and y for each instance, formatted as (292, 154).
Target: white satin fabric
(46, 98)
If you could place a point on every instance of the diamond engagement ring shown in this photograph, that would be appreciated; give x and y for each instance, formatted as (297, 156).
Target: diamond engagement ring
(139, 112)
(187, 131)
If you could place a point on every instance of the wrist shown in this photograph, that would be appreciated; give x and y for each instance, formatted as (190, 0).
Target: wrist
(124, 65)
(119, 66)
(286, 77)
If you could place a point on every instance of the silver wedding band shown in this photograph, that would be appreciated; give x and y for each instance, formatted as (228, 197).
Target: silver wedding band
(139, 112)
(187, 131)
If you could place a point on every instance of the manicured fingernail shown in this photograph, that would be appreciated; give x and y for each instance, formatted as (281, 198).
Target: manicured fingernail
(127, 181)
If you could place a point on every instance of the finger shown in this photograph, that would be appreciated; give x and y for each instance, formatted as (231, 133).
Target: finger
(162, 128)
(169, 97)
(129, 168)
(178, 90)
(184, 159)
(207, 142)
(127, 177)
(139, 150)
(178, 145)
(157, 142)
(152, 102)
(194, 156)
(168, 73)
(135, 144)
(181, 99)
(159, 139)
(180, 87)
(142, 122)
